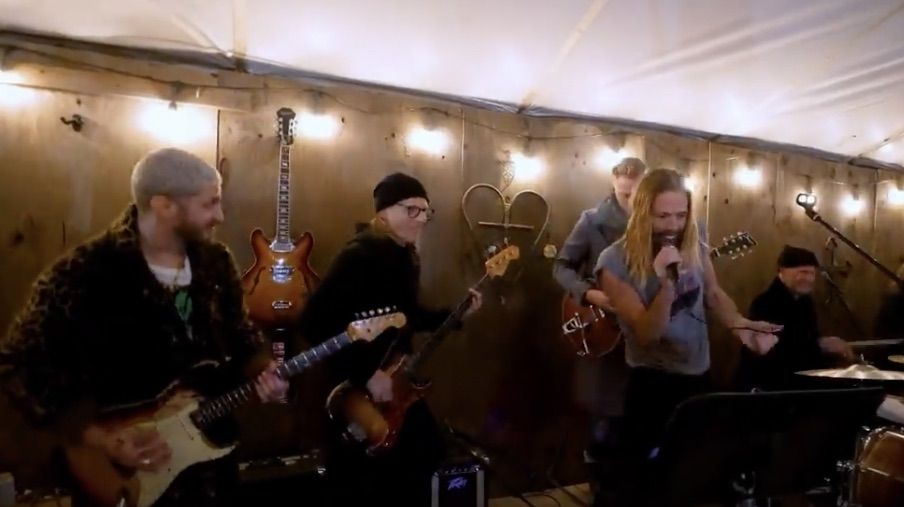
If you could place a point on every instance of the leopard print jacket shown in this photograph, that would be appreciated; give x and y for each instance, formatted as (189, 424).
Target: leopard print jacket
(99, 330)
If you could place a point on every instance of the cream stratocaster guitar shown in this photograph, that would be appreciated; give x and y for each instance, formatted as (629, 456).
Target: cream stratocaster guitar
(181, 417)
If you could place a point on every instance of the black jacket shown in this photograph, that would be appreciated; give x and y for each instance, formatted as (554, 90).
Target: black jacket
(798, 345)
(372, 271)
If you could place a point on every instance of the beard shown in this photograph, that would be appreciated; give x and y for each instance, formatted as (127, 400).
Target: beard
(193, 233)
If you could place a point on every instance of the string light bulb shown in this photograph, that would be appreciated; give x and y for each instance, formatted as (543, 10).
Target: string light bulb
(895, 196)
(526, 168)
(317, 126)
(852, 206)
(690, 183)
(607, 158)
(432, 142)
(175, 124)
(748, 177)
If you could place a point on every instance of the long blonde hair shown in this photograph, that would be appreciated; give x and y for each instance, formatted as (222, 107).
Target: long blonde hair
(638, 239)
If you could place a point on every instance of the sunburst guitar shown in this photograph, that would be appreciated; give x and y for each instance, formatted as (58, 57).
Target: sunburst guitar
(278, 283)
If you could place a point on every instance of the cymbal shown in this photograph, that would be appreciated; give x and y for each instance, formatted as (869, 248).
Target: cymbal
(876, 343)
(857, 371)
(896, 359)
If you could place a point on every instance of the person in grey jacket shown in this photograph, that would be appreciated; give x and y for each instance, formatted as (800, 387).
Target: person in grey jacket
(599, 382)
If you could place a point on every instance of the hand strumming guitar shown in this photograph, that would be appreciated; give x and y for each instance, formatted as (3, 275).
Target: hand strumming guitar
(598, 299)
(380, 386)
(135, 448)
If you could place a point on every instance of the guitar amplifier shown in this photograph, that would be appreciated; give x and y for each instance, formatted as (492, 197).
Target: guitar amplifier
(279, 479)
(459, 484)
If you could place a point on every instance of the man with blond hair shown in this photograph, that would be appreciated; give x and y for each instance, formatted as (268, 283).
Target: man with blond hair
(661, 282)
(118, 319)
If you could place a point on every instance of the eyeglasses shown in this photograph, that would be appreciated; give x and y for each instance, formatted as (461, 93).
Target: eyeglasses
(415, 211)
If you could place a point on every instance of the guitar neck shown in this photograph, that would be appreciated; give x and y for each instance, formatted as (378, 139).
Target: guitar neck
(437, 337)
(224, 404)
(282, 196)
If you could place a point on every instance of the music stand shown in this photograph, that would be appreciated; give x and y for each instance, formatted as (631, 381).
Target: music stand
(736, 448)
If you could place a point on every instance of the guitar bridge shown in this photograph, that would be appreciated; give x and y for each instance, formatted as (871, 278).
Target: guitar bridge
(356, 432)
(281, 304)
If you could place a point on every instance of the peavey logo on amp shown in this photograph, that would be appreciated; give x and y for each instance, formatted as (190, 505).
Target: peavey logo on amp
(457, 483)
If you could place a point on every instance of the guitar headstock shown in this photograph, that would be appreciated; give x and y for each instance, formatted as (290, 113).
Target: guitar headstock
(285, 122)
(498, 264)
(371, 324)
(736, 245)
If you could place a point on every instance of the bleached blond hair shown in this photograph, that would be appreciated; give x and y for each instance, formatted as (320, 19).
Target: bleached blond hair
(170, 172)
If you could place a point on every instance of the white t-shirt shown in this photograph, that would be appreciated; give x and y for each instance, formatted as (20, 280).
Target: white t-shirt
(172, 277)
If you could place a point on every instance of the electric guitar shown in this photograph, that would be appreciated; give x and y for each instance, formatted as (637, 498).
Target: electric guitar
(591, 332)
(279, 281)
(181, 418)
(376, 426)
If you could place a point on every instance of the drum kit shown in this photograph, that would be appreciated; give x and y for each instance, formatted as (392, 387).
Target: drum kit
(875, 475)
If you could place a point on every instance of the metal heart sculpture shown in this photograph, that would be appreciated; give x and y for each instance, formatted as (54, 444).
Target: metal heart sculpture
(496, 219)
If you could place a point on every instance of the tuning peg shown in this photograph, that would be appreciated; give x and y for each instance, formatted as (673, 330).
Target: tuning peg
(372, 313)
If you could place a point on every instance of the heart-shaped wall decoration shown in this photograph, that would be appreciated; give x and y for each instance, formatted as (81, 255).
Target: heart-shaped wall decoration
(496, 219)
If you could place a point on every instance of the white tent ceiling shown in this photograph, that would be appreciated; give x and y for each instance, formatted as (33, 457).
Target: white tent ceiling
(826, 74)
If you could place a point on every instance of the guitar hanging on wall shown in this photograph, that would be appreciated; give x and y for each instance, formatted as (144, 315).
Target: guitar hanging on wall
(277, 285)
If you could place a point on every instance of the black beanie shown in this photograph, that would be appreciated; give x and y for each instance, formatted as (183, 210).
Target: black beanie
(793, 257)
(397, 187)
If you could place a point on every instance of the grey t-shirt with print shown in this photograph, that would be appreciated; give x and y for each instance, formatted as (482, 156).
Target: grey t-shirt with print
(684, 346)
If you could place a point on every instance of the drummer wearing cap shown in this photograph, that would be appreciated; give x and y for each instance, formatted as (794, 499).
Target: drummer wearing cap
(789, 302)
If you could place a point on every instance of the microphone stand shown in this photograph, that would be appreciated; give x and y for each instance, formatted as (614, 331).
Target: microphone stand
(836, 292)
(813, 215)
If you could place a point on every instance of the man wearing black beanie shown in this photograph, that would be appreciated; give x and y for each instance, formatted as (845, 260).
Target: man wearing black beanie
(789, 302)
(380, 268)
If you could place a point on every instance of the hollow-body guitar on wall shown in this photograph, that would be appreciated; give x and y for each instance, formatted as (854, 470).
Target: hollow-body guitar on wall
(376, 426)
(591, 331)
(181, 418)
(279, 281)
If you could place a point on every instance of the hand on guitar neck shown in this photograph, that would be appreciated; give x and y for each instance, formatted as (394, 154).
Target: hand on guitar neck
(476, 302)
(269, 386)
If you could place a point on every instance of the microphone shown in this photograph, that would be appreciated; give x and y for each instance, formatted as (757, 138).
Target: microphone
(671, 269)
(673, 272)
